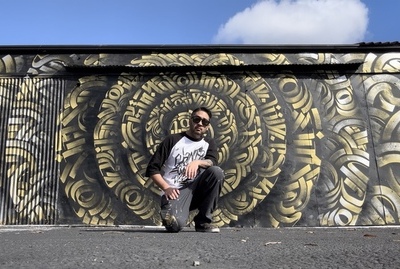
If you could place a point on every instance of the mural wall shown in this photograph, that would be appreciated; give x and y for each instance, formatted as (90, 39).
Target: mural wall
(305, 139)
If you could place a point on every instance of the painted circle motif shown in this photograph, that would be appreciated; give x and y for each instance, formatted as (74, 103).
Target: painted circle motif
(108, 131)
(251, 125)
(163, 103)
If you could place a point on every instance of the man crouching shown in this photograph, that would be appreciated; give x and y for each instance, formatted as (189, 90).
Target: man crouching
(184, 167)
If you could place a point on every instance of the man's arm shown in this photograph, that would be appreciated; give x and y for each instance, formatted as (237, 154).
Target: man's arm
(205, 163)
(193, 167)
(170, 193)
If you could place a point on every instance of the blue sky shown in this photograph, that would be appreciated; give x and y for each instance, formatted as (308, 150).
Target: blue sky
(155, 22)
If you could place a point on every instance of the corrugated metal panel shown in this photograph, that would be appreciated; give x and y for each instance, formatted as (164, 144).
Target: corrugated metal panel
(29, 172)
(8, 91)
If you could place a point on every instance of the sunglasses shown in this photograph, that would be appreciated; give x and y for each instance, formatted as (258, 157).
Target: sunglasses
(197, 119)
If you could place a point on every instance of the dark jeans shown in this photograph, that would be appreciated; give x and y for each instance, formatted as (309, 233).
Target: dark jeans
(201, 194)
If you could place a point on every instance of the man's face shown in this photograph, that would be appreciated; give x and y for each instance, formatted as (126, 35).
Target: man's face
(198, 124)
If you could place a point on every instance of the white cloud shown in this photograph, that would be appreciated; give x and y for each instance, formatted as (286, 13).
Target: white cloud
(297, 22)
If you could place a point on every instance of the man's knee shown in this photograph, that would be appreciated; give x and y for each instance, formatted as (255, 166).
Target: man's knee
(171, 222)
(216, 172)
(173, 228)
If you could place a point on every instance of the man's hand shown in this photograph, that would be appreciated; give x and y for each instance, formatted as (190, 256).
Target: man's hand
(192, 169)
(171, 193)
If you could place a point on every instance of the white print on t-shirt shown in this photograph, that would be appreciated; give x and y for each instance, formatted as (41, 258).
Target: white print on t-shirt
(182, 153)
(182, 160)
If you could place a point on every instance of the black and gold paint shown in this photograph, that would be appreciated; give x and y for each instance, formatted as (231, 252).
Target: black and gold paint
(298, 149)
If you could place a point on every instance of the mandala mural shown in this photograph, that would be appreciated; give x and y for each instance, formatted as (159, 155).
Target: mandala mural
(297, 150)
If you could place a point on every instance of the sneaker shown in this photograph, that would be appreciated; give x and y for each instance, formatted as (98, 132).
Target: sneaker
(207, 228)
(170, 223)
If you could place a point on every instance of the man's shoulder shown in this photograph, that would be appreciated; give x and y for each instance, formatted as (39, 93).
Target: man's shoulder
(176, 135)
(209, 139)
(173, 137)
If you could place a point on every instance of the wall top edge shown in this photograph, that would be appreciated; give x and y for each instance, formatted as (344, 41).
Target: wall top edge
(359, 47)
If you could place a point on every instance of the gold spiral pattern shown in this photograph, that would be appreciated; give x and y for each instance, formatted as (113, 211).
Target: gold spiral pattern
(383, 98)
(251, 122)
(347, 159)
(296, 150)
(163, 103)
(77, 154)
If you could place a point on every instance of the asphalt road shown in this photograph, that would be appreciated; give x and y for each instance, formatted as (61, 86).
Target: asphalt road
(152, 247)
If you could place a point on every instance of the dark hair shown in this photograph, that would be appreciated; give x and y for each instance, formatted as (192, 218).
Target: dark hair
(202, 109)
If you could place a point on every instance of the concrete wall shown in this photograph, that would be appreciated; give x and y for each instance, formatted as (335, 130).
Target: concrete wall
(305, 138)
